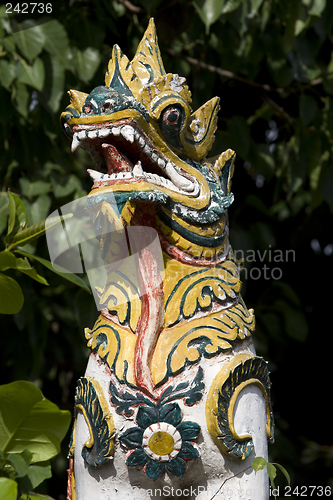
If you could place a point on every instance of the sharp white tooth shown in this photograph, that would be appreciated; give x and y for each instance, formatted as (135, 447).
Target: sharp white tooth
(147, 150)
(92, 134)
(161, 163)
(141, 142)
(81, 134)
(157, 179)
(154, 157)
(137, 170)
(115, 130)
(103, 132)
(75, 143)
(128, 133)
(96, 176)
(178, 179)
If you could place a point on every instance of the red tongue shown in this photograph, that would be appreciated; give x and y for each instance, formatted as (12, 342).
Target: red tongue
(115, 161)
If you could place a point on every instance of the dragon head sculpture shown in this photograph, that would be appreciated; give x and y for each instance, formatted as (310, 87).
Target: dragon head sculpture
(150, 148)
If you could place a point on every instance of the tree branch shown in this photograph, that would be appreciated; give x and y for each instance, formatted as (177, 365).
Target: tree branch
(231, 477)
(234, 76)
(226, 73)
(130, 6)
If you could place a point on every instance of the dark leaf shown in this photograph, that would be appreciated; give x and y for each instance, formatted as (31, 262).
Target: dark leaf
(146, 416)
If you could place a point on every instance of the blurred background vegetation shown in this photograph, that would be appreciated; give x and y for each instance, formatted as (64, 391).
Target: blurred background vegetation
(271, 62)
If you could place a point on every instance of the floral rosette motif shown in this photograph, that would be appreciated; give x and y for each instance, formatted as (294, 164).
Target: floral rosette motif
(161, 441)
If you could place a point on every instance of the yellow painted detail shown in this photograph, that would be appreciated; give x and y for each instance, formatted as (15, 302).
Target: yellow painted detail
(189, 247)
(214, 229)
(77, 99)
(199, 135)
(128, 212)
(212, 402)
(148, 56)
(121, 292)
(181, 344)
(118, 115)
(90, 442)
(161, 443)
(117, 350)
(183, 287)
(221, 161)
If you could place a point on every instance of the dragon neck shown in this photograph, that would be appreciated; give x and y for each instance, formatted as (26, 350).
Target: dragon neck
(203, 245)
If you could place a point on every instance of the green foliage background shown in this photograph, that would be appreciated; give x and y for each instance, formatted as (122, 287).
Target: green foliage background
(271, 62)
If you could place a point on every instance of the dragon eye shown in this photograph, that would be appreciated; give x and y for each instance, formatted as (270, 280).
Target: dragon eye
(171, 116)
(171, 121)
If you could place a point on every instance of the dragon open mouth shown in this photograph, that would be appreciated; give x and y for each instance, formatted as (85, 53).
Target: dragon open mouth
(124, 154)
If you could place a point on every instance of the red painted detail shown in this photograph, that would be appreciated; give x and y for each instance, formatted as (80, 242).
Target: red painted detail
(151, 319)
(115, 160)
(188, 259)
(70, 473)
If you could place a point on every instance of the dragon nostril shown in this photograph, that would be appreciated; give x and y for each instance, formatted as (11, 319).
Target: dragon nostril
(106, 107)
(89, 110)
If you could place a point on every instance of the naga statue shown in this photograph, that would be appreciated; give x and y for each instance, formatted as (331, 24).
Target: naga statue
(174, 402)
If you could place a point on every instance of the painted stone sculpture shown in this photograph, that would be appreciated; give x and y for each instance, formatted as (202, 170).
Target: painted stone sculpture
(174, 402)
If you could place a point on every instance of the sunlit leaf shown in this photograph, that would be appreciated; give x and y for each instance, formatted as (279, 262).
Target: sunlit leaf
(30, 39)
(4, 208)
(32, 75)
(259, 463)
(56, 88)
(36, 474)
(317, 7)
(64, 186)
(32, 232)
(284, 472)
(7, 260)
(35, 496)
(271, 471)
(8, 489)
(30, 188)
(255, 6)
(20, 465)
(231, 5)
(17, 214)
(11, 295)
(23, 406)
(56, 40)
(86, 62)
(7, 73)
(209, 10)
(73, 278)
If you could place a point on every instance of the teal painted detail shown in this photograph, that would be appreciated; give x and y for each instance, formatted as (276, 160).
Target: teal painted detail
(118, 84)
(252, 368)
(219, 202)
(87, 397)
(107, 100)
(150, 413)
(204, 241)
